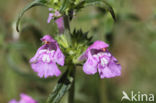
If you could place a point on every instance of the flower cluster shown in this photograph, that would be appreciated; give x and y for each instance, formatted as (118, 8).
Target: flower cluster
(98, 59)
(97, 56)
(24, 99)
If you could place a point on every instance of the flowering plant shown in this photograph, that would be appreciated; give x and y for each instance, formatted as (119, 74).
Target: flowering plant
(69, 48)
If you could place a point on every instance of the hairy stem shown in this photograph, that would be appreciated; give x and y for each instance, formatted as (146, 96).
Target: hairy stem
(71, 94)
(67, 28)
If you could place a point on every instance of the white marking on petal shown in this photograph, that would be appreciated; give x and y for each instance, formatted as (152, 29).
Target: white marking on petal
(48, 51)
(95, 56)
(107, 54)
(52, 52)
(100, 54)
(42, 51)
(46, 55)
(104, 61)
(46, 58)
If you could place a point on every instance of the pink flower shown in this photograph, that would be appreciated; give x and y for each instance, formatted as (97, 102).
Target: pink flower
(60, 24)
(59, 21)
(51, 16)
(24, 99)
(99, 59)
(46, 57)
(57, 13)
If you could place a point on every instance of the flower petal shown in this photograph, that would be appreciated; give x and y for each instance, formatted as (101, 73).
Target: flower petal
(26, 99)
(50, 17)
(115, 67)
(57, 13)
(83, 56)
(50, 9)
(105, 72)
(47, 38)
(111, 70)
(90, 66)
(58, 56)
(98, 45)
(60, 24)
(46, 57)
(34, 58)
(13, 101)
(46, 69)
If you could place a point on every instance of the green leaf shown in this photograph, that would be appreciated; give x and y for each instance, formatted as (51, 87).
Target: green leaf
(29, 6)
(62, 87)
(79, 6)
(102, 4)
(65, 4)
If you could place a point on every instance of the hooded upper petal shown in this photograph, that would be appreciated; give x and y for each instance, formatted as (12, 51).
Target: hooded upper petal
(47, 38)
(98, 45)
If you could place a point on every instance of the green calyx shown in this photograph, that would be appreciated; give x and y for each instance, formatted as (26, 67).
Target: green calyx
(79, 44)
(64, 6)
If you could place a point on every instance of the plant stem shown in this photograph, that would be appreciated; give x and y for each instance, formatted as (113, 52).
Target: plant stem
(72, 66)
(71, 94)
(67, 28)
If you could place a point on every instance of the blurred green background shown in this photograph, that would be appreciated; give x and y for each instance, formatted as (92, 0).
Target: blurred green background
(132, 39)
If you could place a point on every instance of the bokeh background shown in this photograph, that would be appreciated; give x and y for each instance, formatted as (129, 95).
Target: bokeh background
(132, 39)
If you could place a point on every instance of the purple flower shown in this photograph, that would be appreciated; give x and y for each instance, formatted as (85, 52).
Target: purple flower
(99, 59)
(51, 16)
(13, 101)
(50, 9)
(60, 24)
(59, 21)
(24, 99)
(46, 57)
(57, 13)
